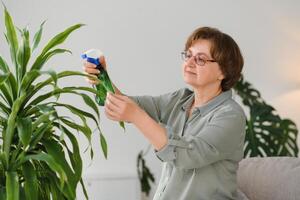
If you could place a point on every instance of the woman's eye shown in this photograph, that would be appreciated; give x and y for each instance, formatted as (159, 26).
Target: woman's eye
(199, 59)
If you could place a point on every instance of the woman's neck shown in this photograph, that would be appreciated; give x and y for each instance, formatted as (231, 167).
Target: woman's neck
(203, 95)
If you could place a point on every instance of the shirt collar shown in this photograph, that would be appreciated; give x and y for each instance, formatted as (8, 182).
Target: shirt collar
(214, 102)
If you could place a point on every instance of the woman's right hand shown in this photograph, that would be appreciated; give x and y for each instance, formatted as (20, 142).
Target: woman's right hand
(90, 69)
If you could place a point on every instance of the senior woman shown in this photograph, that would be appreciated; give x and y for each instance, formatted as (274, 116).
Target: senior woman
(198, 134)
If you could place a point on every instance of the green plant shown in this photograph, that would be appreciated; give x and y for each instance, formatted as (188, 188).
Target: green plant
(39, 152)
(144, 173)
(267, 134)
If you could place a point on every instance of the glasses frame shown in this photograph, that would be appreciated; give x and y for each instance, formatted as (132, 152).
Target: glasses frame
(186, 58)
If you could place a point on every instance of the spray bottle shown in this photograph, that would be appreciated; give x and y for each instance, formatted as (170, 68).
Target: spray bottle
(105, 84)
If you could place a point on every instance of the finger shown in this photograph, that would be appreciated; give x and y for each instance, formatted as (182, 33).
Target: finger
(120, 97)
(112, 106)
(90, 67)
(113, 99)
(117, 96)
(102, 61)
(110, 116)
(89, 64)
(110, 113)
(91, 70)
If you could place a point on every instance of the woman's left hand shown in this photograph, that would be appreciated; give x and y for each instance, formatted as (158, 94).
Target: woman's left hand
(121, 108)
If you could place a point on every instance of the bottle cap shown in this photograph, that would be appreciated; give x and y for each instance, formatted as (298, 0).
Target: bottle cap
(92, 56)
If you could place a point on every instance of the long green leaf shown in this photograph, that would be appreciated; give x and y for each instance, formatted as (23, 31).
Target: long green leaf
(75, 157)
(30, 185)
(12, 185)
(11, 37)
(86, 99)
(41, 119)
(67, 90)
(3, 78)
(42, 59)
(24, 126)
(83, 189)
(39, 110)
(47, 82)
(56, 151)
(60, 38)
(50, 162)
(6, 95)
(31, 76)
(11, 122)
(8, 87)
(87, 89)
(2, 193)
(76, 111)
(39, 133)
(84, 129)
(103, 145)
(23, 53)
(51, 94)
(13, 86)
(56, 191)
(3, 161)
(37, 36)
(3, 65)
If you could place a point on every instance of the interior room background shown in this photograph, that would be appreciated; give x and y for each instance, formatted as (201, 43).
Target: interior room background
(142, 41)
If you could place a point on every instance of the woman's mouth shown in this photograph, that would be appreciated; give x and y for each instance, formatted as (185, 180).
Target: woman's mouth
(191, 73)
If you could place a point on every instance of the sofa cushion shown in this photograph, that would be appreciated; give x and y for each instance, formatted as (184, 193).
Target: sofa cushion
(270, 178)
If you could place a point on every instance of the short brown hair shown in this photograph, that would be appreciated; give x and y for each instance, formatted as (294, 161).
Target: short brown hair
(224, 50)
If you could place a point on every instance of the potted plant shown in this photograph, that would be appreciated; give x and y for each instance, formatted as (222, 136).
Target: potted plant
(39, 152)
(144, 174)
(267, 134)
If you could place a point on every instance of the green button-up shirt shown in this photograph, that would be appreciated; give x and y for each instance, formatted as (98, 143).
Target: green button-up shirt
(200, 160)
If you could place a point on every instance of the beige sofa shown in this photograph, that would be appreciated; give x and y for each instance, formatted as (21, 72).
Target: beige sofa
(269, 178)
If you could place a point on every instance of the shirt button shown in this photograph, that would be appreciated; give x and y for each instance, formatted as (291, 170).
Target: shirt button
(191, 146)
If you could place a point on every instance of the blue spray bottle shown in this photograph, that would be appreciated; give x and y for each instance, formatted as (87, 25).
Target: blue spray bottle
(105, 84)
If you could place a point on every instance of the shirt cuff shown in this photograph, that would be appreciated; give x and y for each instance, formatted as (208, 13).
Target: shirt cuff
(168, 152)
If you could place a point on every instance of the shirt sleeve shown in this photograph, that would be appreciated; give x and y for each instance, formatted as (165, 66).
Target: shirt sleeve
(156, 106)
(223, 135)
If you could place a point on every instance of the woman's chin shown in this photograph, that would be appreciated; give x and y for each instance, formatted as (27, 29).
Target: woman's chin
(189, 81)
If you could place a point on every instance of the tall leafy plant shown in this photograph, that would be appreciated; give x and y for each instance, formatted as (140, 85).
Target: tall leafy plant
(144, 173)
(267, 134)
(39, 152)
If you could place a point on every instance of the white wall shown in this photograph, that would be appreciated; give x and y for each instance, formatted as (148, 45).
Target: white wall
(142, 41)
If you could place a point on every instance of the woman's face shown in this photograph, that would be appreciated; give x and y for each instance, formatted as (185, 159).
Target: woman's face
(200, 76)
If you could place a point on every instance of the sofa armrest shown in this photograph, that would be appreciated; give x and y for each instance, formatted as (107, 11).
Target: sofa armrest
(270, 178)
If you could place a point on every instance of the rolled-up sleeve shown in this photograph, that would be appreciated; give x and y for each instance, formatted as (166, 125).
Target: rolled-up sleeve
(155, 106)
(150, 104)
(218, 140)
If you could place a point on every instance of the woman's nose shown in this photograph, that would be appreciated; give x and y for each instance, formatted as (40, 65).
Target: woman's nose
(191, 62)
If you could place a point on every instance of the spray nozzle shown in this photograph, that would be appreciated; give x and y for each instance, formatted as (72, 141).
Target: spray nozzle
(92, 56)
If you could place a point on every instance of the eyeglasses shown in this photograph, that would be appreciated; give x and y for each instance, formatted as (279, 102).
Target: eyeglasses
(197, 58)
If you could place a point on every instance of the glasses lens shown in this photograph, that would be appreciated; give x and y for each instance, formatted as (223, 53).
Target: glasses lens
(199, 61)
(183, 55)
